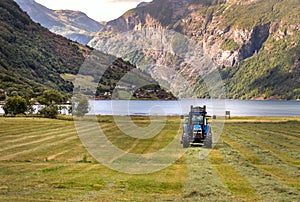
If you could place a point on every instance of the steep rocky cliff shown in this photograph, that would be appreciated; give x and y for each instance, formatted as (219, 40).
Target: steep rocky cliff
(235, 34)
(210, 23)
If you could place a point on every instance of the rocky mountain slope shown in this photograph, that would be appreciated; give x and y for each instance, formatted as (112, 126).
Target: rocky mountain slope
(254, 43)
(74, 25)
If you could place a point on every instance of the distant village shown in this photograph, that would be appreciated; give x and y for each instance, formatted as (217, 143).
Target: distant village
(64, 108)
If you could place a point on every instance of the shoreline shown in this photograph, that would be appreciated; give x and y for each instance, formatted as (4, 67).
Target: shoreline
(233, 119)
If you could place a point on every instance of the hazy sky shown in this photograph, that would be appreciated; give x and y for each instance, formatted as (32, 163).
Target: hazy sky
(100, 10)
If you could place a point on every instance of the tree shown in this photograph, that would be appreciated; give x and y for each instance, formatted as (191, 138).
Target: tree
(49, 111)
(2, 95)
(50, 97)
(15, 105)
(80, 105)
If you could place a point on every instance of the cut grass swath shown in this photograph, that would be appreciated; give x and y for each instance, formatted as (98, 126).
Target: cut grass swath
(236, 183)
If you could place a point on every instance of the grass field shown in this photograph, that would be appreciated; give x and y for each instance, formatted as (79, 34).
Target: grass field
(256, 159)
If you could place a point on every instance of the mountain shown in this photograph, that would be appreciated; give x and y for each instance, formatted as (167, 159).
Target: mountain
(74, 25)
(33, 59)
(254, 43)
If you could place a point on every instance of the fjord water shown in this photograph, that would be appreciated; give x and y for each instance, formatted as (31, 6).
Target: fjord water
(180, 107)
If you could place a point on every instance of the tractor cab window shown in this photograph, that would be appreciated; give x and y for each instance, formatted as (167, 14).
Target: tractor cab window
(186, 121)
(197, 119)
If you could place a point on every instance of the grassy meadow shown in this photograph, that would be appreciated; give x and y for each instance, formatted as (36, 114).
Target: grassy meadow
(256, 159)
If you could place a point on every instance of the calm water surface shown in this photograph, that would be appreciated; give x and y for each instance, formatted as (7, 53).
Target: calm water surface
(214, 107)
(217, 107)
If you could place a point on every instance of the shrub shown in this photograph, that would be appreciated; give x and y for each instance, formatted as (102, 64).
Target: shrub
(15, 105)
(49, 111)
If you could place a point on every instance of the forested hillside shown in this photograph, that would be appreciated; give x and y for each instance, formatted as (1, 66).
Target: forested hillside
(33, 59)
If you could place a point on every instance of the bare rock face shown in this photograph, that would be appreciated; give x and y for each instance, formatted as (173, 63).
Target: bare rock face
(257, 37)
(279, 29)
(205, 22)
(156, 14)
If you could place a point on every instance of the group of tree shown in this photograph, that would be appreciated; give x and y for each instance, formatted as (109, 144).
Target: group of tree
(50, 100)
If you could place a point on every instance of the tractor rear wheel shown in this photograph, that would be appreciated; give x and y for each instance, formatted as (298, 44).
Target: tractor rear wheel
(185, 141)
(208, 140)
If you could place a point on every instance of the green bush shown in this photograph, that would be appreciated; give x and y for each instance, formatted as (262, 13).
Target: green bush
(15, 105)
(50, 97)
(50, 111)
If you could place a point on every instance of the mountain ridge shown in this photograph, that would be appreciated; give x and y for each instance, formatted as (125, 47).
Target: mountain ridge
(74, 25)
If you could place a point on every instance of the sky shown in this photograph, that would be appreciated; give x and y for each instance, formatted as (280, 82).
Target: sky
(100, 10)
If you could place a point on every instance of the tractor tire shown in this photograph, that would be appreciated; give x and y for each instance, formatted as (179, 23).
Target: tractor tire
(185, 141)
(208, 141)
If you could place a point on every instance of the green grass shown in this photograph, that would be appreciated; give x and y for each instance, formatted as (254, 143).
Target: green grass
(44, 159)
(257, 159)
(236, 183)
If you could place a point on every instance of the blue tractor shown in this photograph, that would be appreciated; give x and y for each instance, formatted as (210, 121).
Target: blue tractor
(196, 128)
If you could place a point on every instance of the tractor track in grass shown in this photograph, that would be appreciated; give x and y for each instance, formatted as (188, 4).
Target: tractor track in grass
(263, 143)
(38, 140)
(267, 186)
(214, 179)
(31, 139)
(236, 182)
(35, 149)
(15, 134)
(263, 152)
(258, 140)
(262, 157)
(203, 182)
(279, 136)
(285, 176)
(282, 133)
